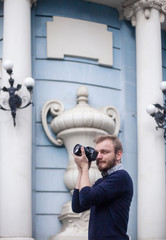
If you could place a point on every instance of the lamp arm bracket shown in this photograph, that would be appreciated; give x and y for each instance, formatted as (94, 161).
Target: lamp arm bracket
(4, 89)
(27, 105)
(157, 105)
(56, 108)
(19, 86)
(4, 109)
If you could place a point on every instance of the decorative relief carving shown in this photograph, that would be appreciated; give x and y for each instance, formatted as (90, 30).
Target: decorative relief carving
(147, 13)
(75, 225)
(55, 108)
(82, 116)
(129, 11)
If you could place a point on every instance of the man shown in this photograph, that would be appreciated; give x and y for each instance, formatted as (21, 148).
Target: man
(110, 197)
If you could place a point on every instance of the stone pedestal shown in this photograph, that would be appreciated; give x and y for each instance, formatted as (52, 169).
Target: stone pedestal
(75, 225)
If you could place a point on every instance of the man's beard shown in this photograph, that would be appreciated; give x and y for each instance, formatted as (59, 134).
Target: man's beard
(109, 166)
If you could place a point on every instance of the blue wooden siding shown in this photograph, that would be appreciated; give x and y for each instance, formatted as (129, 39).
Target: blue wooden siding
(60, 79)
(128, 113)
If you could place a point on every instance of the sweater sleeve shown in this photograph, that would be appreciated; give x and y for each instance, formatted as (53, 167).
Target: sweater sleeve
(111, 187)
(76, 207)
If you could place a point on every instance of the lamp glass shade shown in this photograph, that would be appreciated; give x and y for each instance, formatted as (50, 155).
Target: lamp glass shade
(151, 109)
(29, 82)
(163, 86)
(8, 65)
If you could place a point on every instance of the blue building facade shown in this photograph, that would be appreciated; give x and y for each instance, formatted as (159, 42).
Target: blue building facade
(59, 79)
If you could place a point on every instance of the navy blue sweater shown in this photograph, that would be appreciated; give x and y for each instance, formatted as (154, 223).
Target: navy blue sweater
(109, 202)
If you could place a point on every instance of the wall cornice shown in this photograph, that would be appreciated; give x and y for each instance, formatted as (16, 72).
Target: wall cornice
(130, 10)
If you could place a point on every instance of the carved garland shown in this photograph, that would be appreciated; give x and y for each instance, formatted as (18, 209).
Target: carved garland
(146, 5)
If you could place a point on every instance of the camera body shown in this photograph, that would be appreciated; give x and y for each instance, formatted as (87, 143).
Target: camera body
(90, 152)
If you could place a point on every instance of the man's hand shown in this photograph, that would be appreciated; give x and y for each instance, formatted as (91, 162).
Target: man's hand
(83, 170)
(81, 161)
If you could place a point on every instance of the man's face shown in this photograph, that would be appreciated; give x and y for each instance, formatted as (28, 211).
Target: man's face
(106, 157)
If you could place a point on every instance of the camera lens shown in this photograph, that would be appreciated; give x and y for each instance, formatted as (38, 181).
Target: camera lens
(90, 152)
(77, 150)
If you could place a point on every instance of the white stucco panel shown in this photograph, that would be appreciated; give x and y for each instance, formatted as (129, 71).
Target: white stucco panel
(78, 38)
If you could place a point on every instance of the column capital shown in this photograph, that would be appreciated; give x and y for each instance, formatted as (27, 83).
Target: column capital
(130, 9)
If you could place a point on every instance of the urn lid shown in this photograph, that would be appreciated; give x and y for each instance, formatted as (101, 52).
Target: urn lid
(84, 116)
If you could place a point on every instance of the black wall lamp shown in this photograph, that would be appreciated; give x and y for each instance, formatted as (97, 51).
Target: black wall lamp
(159, 112)
(15, 101)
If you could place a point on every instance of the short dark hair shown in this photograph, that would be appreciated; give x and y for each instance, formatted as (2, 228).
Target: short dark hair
(114, 139)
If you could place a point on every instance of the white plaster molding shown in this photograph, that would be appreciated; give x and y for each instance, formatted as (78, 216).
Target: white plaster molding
(75, 225)
(106, 119)
(130, 10)
(82, 116)
(79, 38)
(78, 125)
(81, 124)
(55, 108)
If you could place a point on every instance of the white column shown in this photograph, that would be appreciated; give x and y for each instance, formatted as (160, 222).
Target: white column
(151, 149)
(151, 156)
(15, 142)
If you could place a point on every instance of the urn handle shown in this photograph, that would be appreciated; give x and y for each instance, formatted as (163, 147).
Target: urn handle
(55, 108)
(114, 115)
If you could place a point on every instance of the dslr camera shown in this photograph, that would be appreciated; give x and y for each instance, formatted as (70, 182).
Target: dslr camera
(90, 152)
